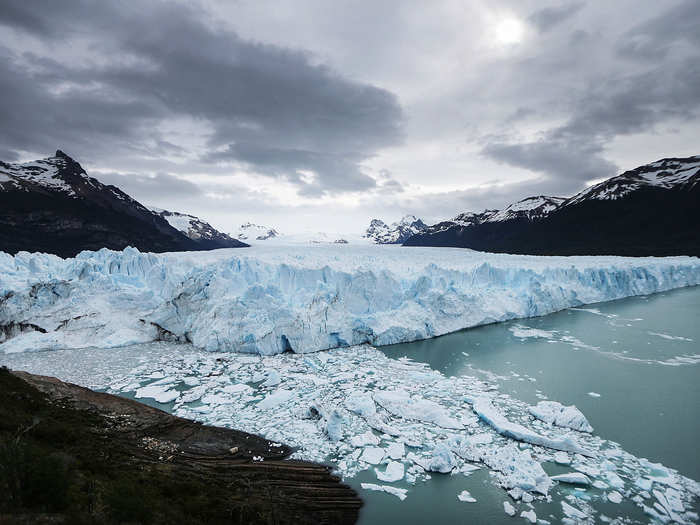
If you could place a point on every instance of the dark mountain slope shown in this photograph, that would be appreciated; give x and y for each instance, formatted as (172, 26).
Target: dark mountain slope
(652, 210)
(53, 206)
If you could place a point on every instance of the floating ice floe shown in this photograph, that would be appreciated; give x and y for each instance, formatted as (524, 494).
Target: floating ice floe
(337, 391)
(399, 493)
(574, 478)
(466, 496)
(394, 472)
(562, 416)
(269, 300)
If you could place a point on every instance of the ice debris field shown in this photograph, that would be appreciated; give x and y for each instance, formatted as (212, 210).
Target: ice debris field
(268, 300)
(399, 420)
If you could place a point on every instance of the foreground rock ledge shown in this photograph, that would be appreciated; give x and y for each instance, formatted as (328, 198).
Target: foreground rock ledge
(72, 455)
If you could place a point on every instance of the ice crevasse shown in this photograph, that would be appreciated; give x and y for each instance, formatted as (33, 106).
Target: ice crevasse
(268, 300)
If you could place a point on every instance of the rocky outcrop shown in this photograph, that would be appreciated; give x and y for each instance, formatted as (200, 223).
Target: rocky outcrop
(117, 460)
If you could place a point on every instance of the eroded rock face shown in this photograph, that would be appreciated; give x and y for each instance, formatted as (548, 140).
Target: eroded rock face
(235, 473)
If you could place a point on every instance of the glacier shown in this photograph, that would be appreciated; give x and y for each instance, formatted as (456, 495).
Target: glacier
(268, 300)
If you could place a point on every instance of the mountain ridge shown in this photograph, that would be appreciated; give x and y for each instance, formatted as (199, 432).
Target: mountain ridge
(650, 210)
(52, 205)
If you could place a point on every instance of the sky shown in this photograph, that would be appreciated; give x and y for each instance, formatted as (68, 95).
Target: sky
(310, 115)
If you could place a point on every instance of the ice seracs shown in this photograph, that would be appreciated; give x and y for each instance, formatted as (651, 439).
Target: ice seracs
(268, 300)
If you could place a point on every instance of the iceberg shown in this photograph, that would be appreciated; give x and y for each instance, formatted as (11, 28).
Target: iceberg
(272, 299)
(557, 414)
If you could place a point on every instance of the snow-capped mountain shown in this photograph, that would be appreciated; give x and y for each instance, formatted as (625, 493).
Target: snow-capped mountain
(651, 210)
(381, 233)
(52, 205)
(255, 232)
(667, 174)
(196, 229)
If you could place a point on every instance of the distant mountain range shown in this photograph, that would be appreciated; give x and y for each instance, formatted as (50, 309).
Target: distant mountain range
(651, 210)
(255, 232)
(53, 206)
(396, 233)
(196, 229)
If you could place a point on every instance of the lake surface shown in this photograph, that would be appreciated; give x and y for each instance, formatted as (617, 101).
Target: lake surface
(631, 366)
(640, 354)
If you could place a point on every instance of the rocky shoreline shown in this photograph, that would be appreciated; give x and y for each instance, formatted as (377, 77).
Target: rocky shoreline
(72, 455)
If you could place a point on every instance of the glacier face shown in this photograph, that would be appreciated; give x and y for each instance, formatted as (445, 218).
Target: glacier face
(270, 299)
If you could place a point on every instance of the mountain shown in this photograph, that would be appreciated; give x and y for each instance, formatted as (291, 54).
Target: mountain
(650, 210)
(250, 232)
(381, 233)
(54, 206)
(196, 229)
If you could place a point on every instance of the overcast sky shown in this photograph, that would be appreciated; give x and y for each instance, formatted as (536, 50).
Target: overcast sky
(319, 115)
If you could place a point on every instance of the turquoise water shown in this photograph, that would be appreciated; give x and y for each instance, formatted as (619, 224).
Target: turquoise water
(632, 352)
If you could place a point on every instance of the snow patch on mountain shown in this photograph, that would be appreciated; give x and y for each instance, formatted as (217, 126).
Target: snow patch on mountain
(255, 232)
(49, 173)
(666, 174)
(195, 228)
(271, 299)
(381, 233)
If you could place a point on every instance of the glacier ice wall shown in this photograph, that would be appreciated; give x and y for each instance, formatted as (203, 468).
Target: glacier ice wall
(270, 299)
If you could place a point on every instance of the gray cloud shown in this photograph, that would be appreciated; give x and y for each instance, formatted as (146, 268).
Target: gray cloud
(159, 187)
(195, 90)
(266, 105)
(547, 18)
(655, 38)
(620, 103)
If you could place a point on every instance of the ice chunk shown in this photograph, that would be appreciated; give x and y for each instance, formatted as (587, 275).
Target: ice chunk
(273, 379)
(562, 416)
(396, 450)
(614, 497)
(361, 403)
(614, 480)
(562, 458)
(372, 455)
(508, 508)
(466, 496)
(399, 493)
(401, 403)
(334, 425)
(160, 393)
(529, 515)
(572, 512)
(276, 398)
(362, 440)
(518, 468)
(441, 460)
(574, 478)
(487, 412)
(594, 394)
(394, 472)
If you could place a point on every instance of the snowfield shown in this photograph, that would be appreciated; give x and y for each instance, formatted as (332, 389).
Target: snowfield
(268, 299)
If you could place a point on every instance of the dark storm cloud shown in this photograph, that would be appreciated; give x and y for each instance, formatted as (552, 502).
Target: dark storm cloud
(656, 38)
(566, 163)
(266, 106)
(151, 188)
(340, 172)
(619, 104)
(548, 17)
